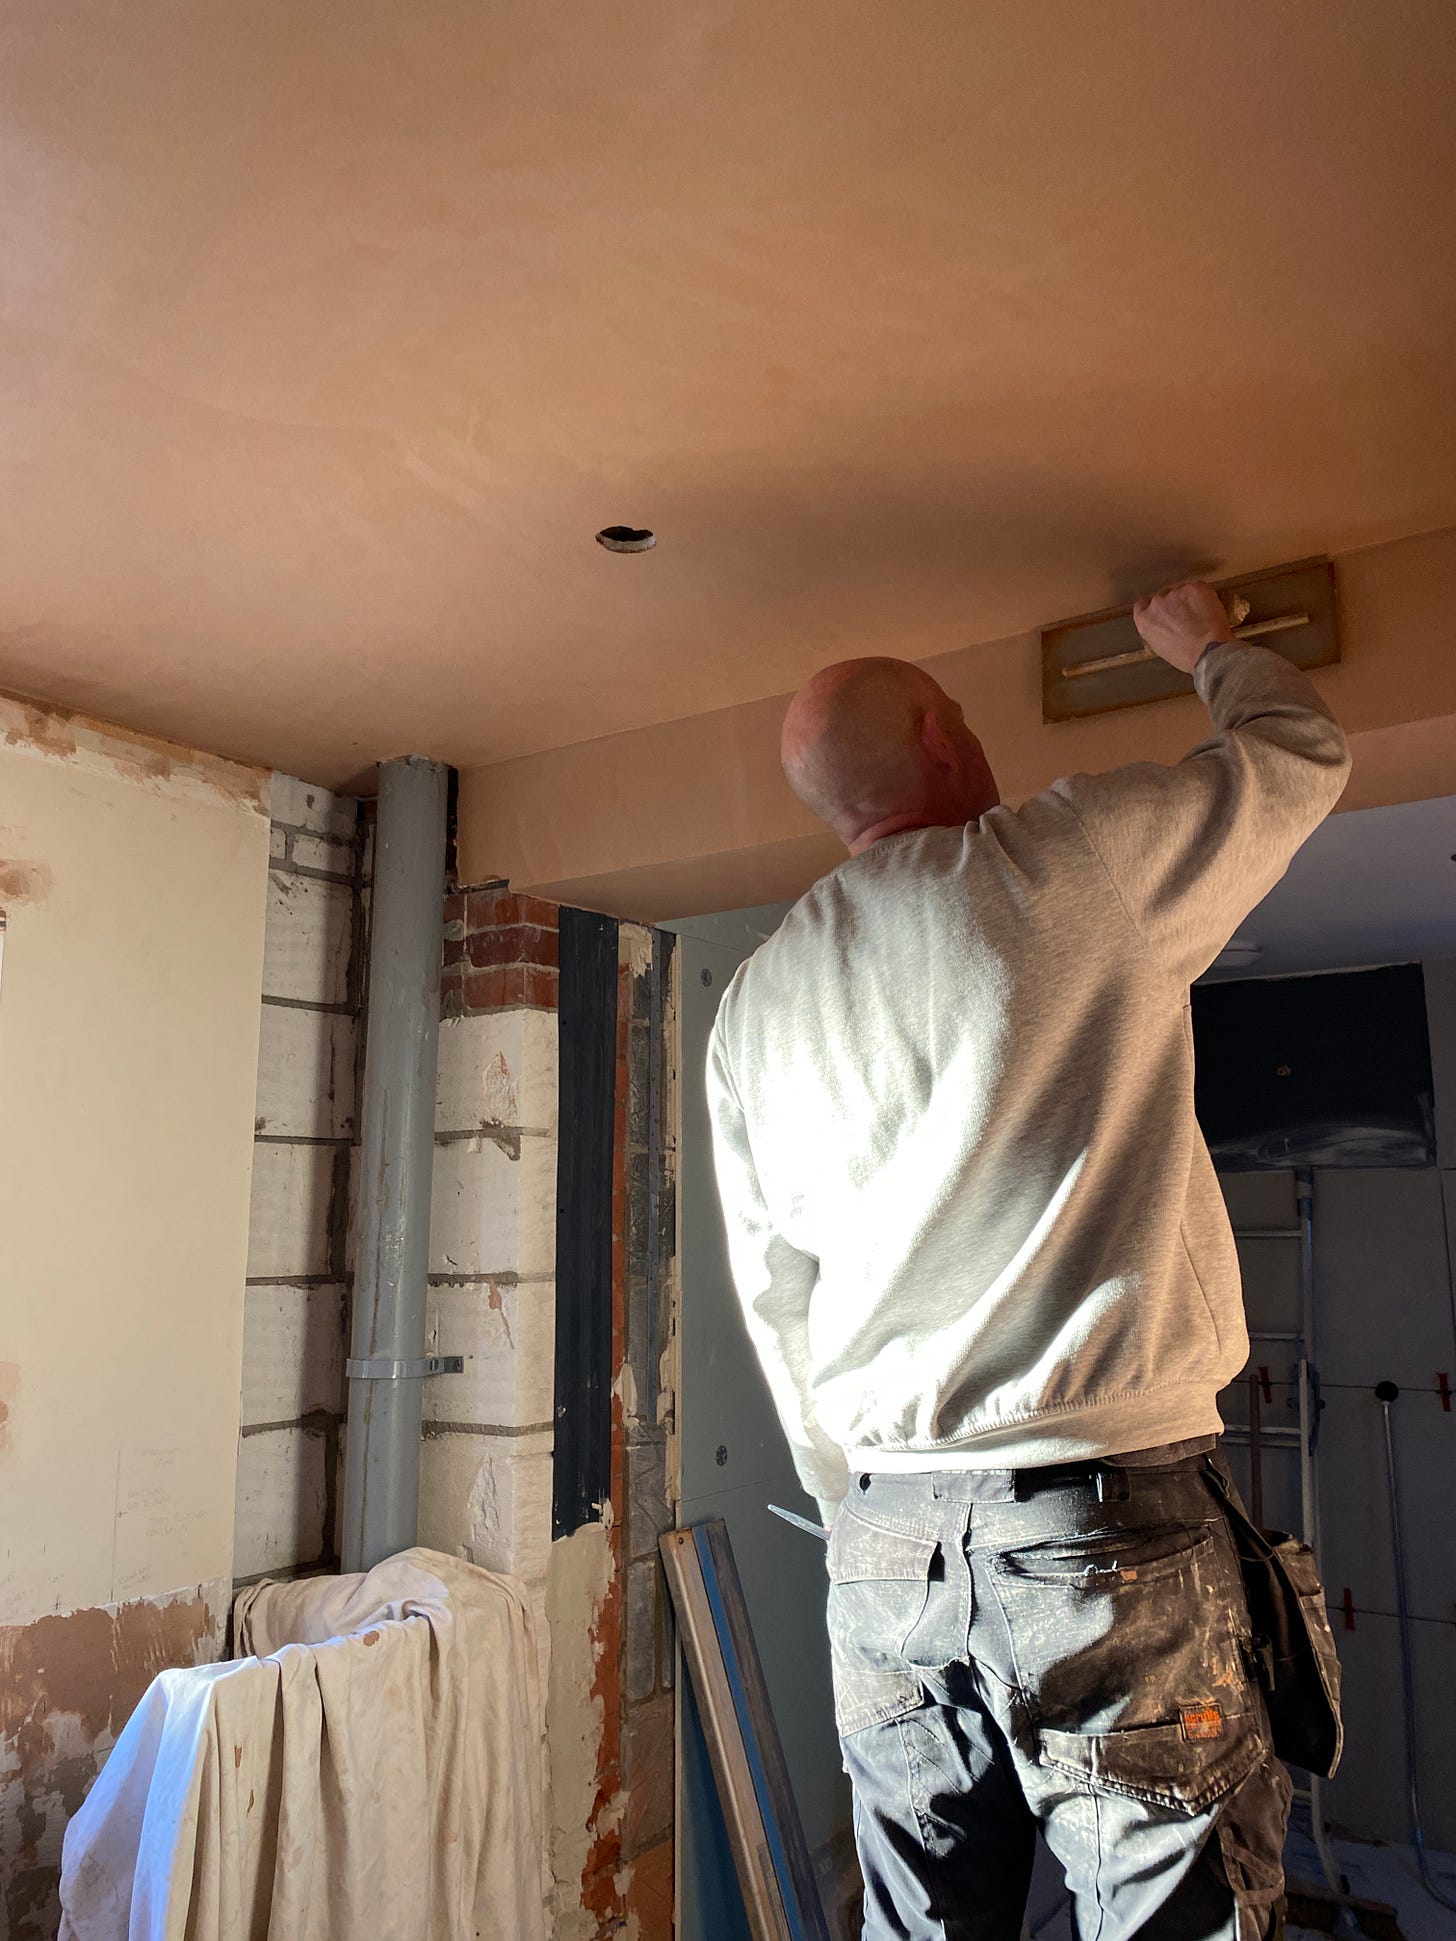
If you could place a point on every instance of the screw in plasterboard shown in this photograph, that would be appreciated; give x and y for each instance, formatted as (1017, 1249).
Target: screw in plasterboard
(705, 977)
(722, 1456)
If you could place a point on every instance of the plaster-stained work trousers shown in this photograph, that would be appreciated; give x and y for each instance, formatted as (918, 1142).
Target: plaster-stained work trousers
(1077, 1660)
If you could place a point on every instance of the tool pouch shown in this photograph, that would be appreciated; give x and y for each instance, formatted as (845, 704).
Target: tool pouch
(1293, 1644)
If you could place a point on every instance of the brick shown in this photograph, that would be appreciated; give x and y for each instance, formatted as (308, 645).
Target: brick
(453, 953)
(282, 1499)
(500, 1069)
(485, 908)
(517, 984)
(534, 909)
(488, 908)
(304, 805)
(516, 943)
(507, 1335)
(288, 1224)
(491, 1214)
(317, 852)
(293, 1352)
(306, 1081)
(452, 993)
(307, 939)
(488, 1498)
(277, 844)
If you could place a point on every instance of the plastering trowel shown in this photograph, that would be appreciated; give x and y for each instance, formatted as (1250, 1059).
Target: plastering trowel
(1097, 662)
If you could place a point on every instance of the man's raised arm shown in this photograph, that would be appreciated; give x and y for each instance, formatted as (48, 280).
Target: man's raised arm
(1192, 847)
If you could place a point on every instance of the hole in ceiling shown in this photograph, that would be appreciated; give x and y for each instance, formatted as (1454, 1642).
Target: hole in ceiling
(626, 539)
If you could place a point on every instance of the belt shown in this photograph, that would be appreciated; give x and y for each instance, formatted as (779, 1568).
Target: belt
(1106, 1481)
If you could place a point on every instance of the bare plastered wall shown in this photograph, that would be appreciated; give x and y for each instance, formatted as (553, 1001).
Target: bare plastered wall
(132, 879)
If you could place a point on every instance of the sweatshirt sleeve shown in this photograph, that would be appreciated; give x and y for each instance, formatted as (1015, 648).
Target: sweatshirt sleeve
(775, 1283)
(1191, 848)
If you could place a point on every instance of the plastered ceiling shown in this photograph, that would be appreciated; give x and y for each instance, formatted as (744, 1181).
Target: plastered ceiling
(331, 335)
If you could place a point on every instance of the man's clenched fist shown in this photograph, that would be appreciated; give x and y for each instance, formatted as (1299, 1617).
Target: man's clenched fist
(1181, 621)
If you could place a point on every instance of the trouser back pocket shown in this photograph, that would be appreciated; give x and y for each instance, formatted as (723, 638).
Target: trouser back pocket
(879, 1585)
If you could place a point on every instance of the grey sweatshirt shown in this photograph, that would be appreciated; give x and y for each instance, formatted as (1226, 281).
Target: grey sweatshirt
(970, 1216)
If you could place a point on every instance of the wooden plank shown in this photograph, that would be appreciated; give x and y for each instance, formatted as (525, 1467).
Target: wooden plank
(771, 1773)
(764, 1832)
(747, 1835)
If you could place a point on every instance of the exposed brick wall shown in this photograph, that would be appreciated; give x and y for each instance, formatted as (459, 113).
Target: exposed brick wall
(489, 1433)
(502, 952)
(629, 1877)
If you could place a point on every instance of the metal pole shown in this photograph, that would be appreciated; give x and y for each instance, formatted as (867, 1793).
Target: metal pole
(1306, 1374)
(397, 1147)
(1385, 1394)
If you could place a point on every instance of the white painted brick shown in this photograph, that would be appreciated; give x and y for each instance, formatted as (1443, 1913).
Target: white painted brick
(277, 844)
(304, 805)
(305, 1074)
(317, 852)
(488, 1498)
(498, 1069)
(508, 1338)
(293, 1351)
(307, 938)
(490, 1213)
(289, 1213)
(280, 1502)
(351, 1216)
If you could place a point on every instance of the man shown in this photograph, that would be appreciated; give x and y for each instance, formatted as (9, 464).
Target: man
(985, 1262)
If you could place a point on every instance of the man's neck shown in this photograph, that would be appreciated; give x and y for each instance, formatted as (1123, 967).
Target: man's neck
(894, 826)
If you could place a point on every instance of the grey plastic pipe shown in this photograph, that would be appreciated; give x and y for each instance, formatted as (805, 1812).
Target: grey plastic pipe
(397, 1150)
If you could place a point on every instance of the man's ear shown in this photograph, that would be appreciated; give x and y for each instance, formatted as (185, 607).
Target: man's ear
(936, 743)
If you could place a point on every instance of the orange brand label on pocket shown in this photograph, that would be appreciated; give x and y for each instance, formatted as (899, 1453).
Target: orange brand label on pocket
(1201, 1722)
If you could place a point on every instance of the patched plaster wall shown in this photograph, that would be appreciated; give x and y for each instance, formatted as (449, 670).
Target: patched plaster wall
(134, 879)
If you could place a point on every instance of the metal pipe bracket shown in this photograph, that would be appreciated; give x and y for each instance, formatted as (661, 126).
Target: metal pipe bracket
(379, 1368)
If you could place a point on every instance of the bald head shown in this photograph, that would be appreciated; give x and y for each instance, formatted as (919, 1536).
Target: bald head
(876, 746)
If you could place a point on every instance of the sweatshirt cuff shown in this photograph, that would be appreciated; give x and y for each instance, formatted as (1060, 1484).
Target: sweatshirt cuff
(1203, 667)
